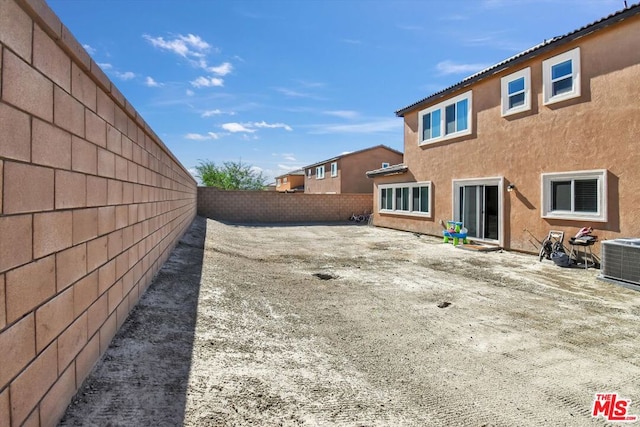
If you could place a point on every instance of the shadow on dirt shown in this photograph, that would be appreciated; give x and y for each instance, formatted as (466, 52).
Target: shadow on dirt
(143, 376)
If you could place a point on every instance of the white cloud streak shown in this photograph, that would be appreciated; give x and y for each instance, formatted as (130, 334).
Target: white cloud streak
(207, 82)
(150, 82)
(450, 67)
(127, 75)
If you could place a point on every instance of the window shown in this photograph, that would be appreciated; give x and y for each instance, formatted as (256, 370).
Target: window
(285, 179)
(406, 198)
(279, 181)
(385, 164)
(516, 92)
(578, 195)
(561, 77)
(320, 172)
(309, 173)
(448, 119)
(334, 169)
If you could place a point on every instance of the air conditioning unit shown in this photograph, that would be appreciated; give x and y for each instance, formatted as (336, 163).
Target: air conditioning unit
(620, 260)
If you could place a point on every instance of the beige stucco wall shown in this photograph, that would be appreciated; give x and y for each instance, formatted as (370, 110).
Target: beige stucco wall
(91, 204)
(598, 130)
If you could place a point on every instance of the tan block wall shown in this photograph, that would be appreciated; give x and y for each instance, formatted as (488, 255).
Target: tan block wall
(274, 207)
(91, 204)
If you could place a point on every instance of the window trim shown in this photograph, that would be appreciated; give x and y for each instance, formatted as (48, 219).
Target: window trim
(320, 172)
(334, 169)
(385, 165)
(504, 88)
(410, 186)
(547, 83)
(442, 107)
(546, 195)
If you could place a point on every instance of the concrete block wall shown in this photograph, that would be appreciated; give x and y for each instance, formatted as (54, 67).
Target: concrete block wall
(274, 207)
(91, 204)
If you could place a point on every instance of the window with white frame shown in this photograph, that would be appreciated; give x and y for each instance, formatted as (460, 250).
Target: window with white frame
(561, 76)
(334, 169)
(580, 195)
(406, 198)
(320, 172)
(309, 173)
(448, 119)
(279, 181)
(385, 164)
(516, 92)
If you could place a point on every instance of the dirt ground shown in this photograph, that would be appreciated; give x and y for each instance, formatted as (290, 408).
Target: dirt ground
(353, 325)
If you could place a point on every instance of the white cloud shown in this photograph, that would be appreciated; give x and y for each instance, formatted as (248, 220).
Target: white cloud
(292, 93)
(151, 82)
(196, 137)
(105, 66)
(216, 112)
(207, 82)
(345, 114)
(200, 137)
(263, 124)
(89, 49)
(189, 92)
(288, 156)
(185, 46)
(221, 70)
(376, 126)
(252, 127)
(237, 127)
(210, 113)
(450, 67)
(287, 168)
(127, 75)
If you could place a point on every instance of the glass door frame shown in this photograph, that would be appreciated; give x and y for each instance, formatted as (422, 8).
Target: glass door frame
(490, 181)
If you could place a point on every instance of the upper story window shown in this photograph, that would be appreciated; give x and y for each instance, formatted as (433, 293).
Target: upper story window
(334, 169)
(285, 179)
(448, 119)
(406, 198)
(320, 172)
(385, 164)
(580, 195)
(516, 92)
(309, 173)
(561, 76)
(279, 181)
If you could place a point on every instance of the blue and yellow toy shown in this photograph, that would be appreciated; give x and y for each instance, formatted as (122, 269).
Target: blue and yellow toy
(455, 231)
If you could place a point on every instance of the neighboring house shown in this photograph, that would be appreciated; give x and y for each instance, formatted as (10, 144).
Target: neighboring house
(547, 139)
(347, 173)
(290, 182)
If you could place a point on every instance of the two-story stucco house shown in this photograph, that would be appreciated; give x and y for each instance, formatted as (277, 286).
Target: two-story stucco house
(546, 139)
(347, 173)
(290, 182)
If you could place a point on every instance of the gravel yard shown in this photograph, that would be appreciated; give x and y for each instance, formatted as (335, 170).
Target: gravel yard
(359, 326)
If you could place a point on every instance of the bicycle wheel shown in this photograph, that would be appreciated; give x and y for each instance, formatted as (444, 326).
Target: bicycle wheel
(542, 250)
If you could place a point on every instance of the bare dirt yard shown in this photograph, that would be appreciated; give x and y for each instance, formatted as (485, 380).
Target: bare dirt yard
(352, 325)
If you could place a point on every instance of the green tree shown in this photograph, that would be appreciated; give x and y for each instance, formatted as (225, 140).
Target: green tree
(230, 176)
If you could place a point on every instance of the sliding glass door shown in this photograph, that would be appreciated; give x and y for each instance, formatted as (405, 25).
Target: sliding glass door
(477, 205)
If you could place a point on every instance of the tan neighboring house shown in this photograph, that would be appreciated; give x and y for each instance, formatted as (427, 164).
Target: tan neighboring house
(290, 182)
(347, 173)
(545, 140)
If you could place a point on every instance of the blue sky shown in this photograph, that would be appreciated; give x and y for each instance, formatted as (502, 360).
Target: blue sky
(283, 84)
